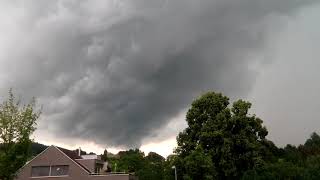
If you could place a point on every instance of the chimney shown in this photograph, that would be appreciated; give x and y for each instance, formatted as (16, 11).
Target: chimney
(79, 152)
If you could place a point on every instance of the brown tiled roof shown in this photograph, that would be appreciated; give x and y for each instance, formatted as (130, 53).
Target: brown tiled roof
(73, 155)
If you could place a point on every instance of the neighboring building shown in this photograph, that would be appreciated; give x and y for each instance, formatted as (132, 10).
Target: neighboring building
(58, 163)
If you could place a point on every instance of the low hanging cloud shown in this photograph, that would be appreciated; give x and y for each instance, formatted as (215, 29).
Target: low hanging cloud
(114, 72)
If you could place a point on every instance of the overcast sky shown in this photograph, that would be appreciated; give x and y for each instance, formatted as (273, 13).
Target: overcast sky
(121, 74)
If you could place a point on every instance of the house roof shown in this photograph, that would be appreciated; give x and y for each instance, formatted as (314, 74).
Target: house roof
(73, 155)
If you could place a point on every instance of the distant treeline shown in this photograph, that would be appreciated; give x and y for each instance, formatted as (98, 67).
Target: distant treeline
(290, 162)
(37, 148)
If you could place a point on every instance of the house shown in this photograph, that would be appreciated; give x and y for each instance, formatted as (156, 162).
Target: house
(58, 163)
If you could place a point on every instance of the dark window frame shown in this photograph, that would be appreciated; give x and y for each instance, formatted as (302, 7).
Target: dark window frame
(50, 171)
(33, 169)
(66, 171)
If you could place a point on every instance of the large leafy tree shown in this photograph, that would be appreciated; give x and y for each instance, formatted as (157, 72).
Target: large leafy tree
(199, 165)
(172, 160)
(134, 161)
(154, 167)
(229, 135)
(131, 161)
(311, 146)
(17, 123)
(155, 164)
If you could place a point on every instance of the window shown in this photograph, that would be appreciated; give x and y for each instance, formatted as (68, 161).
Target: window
(40, 171)
(57, 170)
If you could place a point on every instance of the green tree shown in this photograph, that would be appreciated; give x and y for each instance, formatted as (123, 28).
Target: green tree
(292, 154)
(104, 156)
(155, 163)
(311, 146)
(37, 148)
(312, 169)
(131, 161)
(17, 123)
(153, 168)
(199, 165)
(293, 163)
(270, 152)
(134, 161)
(230, 136)
(172, 160)
(280, 170)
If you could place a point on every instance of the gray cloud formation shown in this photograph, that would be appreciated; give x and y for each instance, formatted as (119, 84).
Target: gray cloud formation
(286, 93)
(115, 71)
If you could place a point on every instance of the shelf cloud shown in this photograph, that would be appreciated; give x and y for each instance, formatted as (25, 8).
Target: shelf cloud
(114, 72)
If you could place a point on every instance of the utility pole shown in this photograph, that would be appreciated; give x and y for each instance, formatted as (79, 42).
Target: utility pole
(175, 172)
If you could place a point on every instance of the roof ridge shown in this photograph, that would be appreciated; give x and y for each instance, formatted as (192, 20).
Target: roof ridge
(65, 151)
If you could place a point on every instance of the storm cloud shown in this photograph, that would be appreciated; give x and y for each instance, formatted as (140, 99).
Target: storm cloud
(115, 72)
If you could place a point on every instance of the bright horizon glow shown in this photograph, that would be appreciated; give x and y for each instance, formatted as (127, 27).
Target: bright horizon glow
(164, 148)
(162, 145)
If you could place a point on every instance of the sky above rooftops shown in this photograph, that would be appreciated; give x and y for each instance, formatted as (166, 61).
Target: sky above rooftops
(121, 74)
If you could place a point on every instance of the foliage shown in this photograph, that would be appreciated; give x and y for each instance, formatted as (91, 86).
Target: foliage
(37, 148)
(134, 161)
(311, 146)
(104, 156)
(153, 168)
(17, 123)
(294, 163)
(168, 172)
(230, 136)
(131, 161)
(198, 165)
(312, 168)
(280, 170)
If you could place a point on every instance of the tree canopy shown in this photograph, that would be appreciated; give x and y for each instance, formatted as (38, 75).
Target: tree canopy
(17, 123)
(230, 136)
